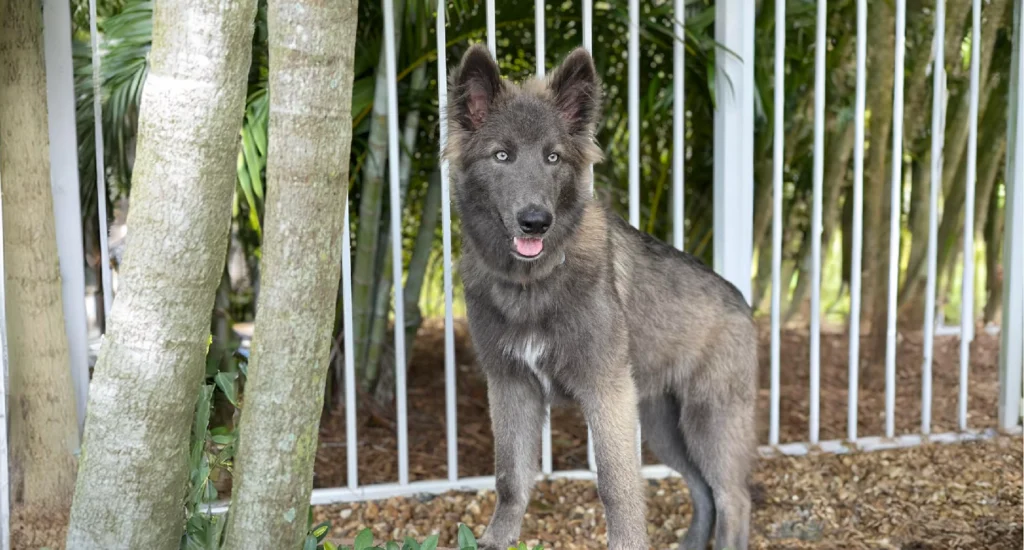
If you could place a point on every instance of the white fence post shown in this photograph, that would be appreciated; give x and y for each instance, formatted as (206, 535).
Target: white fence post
(67, 209)
(5, 503)
(1011, 350)
(734, 128)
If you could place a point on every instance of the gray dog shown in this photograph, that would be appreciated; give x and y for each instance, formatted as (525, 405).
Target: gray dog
(568, 303)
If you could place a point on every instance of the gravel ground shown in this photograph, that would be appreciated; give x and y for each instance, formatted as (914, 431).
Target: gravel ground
(933, 497)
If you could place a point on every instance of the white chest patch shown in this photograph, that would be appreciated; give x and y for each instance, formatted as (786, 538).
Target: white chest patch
(530, 351)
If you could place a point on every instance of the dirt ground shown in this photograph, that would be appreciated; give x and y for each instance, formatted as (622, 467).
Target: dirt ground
(426, 405)
(927, 498)
(936, 496)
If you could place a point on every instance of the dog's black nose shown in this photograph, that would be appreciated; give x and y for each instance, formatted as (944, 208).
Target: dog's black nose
(534, 221)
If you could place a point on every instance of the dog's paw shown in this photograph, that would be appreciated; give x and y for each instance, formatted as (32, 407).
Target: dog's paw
(487, 543)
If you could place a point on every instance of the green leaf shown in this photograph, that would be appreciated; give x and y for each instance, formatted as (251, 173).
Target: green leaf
(392, 545)
(328, 545)
(466, 539)
(228, 383)
(310, 543)
(430, 543)
(364, 540)
(411, 544)
(321, 530)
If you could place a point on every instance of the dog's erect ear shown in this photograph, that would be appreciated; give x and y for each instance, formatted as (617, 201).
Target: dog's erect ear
(577, 90)
(474, 86)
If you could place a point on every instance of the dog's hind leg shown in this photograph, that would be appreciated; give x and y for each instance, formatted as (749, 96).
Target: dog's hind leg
(660, 419)
(718, 430)
(517, 417)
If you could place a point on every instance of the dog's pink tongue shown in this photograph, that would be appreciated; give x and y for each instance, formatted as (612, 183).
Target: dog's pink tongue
(528, 247)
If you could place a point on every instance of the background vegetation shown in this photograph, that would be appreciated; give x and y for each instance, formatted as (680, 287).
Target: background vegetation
(126, 29)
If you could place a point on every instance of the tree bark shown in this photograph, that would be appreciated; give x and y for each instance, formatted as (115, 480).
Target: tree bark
(838, 153)
(43, 421)
(955, 148)
(993, 235)
(312, 50)
(364, 267)
(879, 78)
(134, 469)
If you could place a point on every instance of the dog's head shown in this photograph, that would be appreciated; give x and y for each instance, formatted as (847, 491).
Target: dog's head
(521, 154)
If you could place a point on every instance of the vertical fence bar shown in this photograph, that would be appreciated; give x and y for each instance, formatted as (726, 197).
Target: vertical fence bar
(1011, 350)
(938, 142)
(395, 202)
(967, 290)
(634, 131)
(492, 33)
(450, 388)
(101, 179)
(588, 43)
(678, 123)
(634, 112)
(819, 152)
(778, 137)
(351, 436)
(858, 222)
(67, 208)
(545, 441)
(5, 487)
(894, 220)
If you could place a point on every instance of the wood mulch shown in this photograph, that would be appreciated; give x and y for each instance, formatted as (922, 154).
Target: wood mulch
(925, 498)
(377, 453)
(931, 497)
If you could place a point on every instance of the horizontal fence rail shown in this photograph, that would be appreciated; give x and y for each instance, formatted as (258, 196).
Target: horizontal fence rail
(733, 256)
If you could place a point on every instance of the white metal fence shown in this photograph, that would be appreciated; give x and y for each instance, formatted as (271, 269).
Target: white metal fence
(733, 233)
(733, 178)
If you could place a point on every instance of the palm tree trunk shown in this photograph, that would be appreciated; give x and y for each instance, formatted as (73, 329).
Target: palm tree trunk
(364, 269)
(134, 467)
(43, 421)
(310, 138)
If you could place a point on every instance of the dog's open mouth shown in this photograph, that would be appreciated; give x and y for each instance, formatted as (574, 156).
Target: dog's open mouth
(528, 247)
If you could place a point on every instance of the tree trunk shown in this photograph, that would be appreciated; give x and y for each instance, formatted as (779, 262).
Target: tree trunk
(43, 422)
(955, 147)
(838, 153)
(382, 298)
(134, 466)
(993, 235)
(364, 267)
(419, 261)
(879, 78)
(310, 138)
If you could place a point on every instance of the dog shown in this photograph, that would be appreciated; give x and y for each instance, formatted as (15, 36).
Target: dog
(567, 303)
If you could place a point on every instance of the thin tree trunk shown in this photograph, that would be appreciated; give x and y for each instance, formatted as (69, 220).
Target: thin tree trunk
(43, 422)
(955, 148)
(382, 298)
(993, 235)
(364, 269)
(310, 138)
(881, 36)
(838, 153)
(134, 466)
(420, 260)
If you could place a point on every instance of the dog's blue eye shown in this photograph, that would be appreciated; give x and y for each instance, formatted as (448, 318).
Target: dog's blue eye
(553, 158)
(502, 156)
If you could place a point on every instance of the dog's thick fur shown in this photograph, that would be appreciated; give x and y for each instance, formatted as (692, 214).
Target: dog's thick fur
(605, 316)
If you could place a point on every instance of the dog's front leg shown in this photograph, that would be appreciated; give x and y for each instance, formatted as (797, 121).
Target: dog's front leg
(611, 411)
(517, 417)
